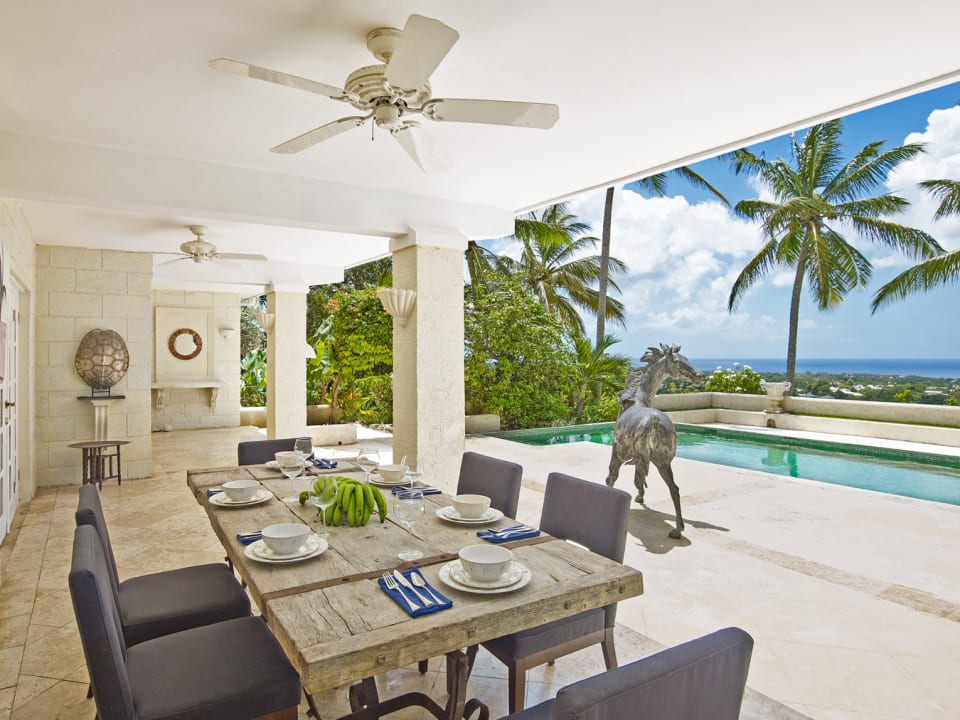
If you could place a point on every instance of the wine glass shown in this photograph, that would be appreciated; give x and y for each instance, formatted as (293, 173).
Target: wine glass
(408, 507)
(324, 495)
(369, 460)
(412, 468)
(291, 465)
(304, 446)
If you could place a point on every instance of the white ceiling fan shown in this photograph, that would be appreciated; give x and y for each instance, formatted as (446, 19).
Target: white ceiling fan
(396, 91)
(201, 251)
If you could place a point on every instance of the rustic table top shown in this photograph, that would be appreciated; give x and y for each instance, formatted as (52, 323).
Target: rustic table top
(336, 625)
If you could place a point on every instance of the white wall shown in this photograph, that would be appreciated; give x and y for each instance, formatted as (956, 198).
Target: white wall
(186, 408)
(78, 290)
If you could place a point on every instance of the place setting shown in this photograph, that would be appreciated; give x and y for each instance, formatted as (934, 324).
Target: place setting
(282, 543)
(485, 570)
(469, 510)
(239, 493)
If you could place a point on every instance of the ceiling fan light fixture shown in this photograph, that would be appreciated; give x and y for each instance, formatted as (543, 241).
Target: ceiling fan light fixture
(387, 116)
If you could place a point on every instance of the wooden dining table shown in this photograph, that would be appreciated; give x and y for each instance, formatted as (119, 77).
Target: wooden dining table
(339, 628)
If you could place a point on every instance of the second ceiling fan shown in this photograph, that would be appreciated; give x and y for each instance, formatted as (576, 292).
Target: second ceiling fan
(393, 93)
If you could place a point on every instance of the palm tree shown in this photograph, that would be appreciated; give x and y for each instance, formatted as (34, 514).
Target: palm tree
(937, 271)
(596, 370)
(815, 194)
(655, 185)
(554, 266)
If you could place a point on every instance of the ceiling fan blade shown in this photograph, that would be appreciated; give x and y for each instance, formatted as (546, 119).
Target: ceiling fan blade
(236, 67)
(423, 44)
(324, 132)
(423, 149)
(493, 112)
(240, 256)
(176, 259)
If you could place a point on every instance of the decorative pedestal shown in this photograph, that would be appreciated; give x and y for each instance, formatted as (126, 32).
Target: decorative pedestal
(775, 393)
(101, 414)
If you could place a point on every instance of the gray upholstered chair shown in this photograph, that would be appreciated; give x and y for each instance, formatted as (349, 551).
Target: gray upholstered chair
(498, 479)
(594, 516)
(257, 452)
(699, 680)
(233, 669)
(162, 603)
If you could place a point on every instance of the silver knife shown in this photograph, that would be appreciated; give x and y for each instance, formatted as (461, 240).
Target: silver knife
(426, 602)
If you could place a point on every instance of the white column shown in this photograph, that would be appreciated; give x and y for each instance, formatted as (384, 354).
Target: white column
(286, 364)
(101, 419)
(428, 412)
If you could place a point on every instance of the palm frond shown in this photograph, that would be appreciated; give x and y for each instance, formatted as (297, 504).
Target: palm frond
(922, 277)
(948, 193)
(761, 263)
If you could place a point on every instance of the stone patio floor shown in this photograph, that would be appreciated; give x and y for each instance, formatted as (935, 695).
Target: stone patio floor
(852, 597)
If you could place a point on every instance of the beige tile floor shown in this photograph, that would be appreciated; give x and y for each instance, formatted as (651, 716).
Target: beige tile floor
(852, 597)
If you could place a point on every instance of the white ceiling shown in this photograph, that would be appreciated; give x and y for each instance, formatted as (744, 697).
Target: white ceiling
(115, 133)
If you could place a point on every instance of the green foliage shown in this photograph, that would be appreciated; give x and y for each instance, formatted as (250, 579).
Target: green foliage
(376, 273)
(252, 336)
(321, 376)
(904, 396)
(740, 379)
(517, 362)
(375, 399)
(253, 378)
(596, 374)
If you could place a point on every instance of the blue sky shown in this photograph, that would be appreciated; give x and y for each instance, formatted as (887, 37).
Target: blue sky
(685, 250)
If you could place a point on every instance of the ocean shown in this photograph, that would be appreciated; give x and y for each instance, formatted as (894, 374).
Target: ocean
(924, 367)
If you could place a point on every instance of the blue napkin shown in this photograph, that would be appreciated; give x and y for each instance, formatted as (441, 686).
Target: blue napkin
(423, 490)
(248, 538)
(324, 464)
(420, 610)
(214, 491)
(519, 534)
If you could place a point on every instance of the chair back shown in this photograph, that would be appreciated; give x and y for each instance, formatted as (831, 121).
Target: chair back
(498, 479)
(702, 679)
(590, 514)
(257, 452)
(90, 512)
(98, 620)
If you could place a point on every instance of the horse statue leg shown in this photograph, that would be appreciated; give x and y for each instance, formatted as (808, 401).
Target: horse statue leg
(666, 472)
(615, 462)
(640, 477)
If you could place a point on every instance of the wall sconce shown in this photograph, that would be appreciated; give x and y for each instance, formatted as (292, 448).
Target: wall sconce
(398, 302)
(226, 332)
(266, 321)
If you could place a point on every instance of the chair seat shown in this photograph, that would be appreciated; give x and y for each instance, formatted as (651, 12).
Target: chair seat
(543, 637)
(168, 602)
(231, 670)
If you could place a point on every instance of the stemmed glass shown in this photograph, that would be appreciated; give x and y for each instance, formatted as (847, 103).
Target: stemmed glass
(369, 460)
(408, 507)
(412, 469)
(324, 495)
(304, 446)
(291, 465)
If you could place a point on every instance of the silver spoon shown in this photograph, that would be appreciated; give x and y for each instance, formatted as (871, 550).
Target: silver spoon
(418, 580)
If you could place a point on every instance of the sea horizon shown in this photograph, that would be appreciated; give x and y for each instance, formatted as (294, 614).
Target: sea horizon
(922, 367)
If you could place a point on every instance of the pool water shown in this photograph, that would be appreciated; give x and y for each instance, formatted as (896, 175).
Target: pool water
(897, 472)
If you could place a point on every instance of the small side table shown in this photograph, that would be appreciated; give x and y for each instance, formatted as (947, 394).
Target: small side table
(98, 460)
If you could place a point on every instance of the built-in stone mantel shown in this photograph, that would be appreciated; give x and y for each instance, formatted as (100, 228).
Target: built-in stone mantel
(164, 386)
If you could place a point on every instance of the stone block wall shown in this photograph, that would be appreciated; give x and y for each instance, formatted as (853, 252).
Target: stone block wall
(78, 290)
(187, 408)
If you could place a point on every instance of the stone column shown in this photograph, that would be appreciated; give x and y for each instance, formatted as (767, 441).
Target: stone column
(286, 363)
(428, 414)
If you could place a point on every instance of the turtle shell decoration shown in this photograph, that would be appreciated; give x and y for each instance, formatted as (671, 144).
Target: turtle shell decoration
(102, 359)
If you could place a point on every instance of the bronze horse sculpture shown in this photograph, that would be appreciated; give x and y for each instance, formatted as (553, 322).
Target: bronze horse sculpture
(643, 434)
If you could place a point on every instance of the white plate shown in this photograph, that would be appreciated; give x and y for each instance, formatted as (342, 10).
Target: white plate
(377, 480)
(263, 552)
(221, 499)
(446, 579)
(252, 552)
(512, 576)
(272, 464)
(450, 514)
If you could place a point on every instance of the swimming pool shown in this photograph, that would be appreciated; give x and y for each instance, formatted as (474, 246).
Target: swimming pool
(898, 472)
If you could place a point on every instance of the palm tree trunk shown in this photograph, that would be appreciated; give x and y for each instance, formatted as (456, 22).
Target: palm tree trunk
(604, 265)
(794, 320)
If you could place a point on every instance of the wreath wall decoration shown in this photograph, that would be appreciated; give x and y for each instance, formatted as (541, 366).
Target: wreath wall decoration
(197, 344)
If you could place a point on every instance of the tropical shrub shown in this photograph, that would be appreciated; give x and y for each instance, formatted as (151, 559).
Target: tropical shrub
(740, 379)
(253, 378)
(374, 400)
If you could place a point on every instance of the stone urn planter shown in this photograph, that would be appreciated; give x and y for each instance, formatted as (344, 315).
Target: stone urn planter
(775, 393)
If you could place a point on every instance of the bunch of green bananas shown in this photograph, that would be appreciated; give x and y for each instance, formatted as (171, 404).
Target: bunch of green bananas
(355, 501)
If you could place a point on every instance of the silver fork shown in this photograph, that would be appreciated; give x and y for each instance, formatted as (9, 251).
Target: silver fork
(392, 585)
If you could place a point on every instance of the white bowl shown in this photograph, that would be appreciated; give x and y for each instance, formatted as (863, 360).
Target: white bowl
(241, 490)
(485, 563)
(471, 506)
(285, 538)
(391, 473)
